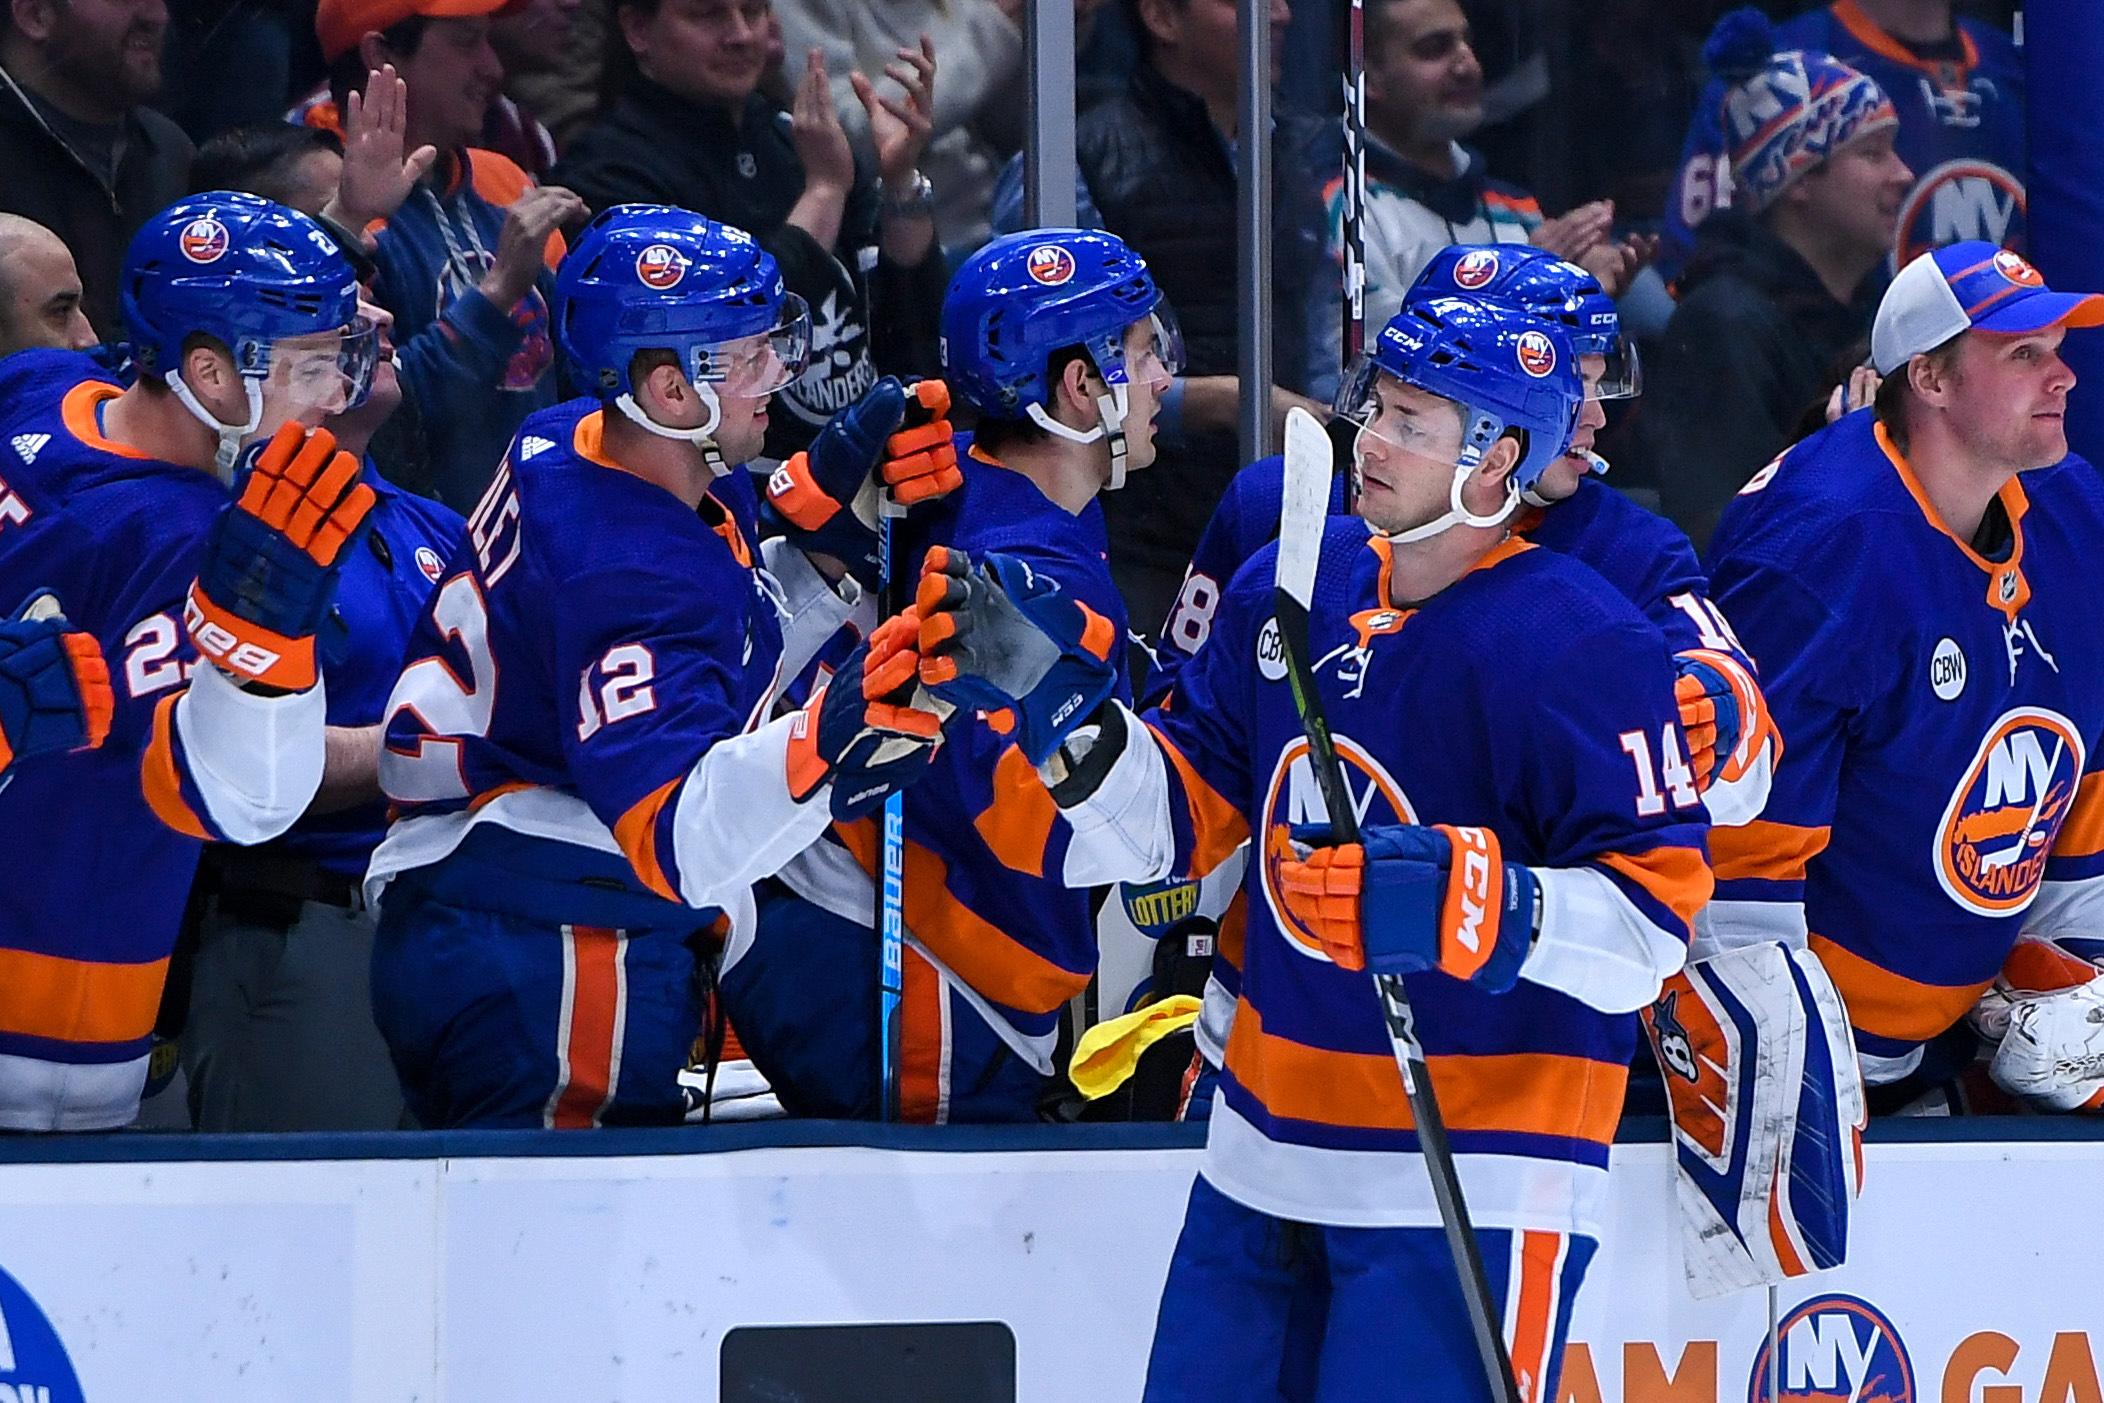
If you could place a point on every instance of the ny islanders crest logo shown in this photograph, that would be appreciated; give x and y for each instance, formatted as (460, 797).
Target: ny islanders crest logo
(1536, 353)
(204, 240)
(661, 266)
(1991, 847)
(1294, 796)
(1835, 1349)
(1049, 264)
(1475, 269)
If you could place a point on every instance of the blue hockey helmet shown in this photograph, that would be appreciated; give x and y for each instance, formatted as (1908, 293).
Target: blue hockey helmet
(250, 274)
(1506, 370)
(1022, 297)
(1550, 288)
(659, 278)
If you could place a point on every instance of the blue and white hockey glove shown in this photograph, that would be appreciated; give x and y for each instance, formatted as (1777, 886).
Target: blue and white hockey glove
(270, 560)
(1391, 903)
(997, 636)
(871, 730)
(54, 689)
(825, 500)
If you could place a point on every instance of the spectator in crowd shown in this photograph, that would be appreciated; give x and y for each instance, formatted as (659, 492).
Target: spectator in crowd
(40, 300)
(563, 90)
(978, 122)
(1958, 85)
(530, 36)
(83, 154)
(1424, 189)
(691, 128)
(210, 39)
(467, 247)
(280, 1031)
(1156, 167)
(1781, 282)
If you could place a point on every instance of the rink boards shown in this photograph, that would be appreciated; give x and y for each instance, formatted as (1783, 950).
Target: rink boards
(664, 1266)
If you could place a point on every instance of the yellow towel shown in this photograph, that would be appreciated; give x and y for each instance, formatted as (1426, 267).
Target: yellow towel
(1109, 1052)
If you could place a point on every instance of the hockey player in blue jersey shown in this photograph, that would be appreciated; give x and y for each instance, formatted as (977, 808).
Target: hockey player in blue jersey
(1445, 650)
(584, 747)
(1060, 341)
(117, 513)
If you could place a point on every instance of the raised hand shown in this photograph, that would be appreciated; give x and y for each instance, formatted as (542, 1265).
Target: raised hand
(901, 127)
(377, 177)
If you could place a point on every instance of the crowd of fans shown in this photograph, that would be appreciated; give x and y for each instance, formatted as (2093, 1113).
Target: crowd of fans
(452, 146)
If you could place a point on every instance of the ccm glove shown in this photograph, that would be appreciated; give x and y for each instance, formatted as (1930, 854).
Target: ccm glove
(1405, 899)
(270, 560)
(995, 635)
(825, 500)
(54, 689)
(871, 730)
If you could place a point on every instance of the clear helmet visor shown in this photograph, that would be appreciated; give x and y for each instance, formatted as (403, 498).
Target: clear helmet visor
(1621, 372)
(1150, 349)
(1410, 460)
(762, 363)
(323, 373)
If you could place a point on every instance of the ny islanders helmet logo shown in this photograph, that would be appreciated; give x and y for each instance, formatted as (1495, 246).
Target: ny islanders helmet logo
(204, 240)
(1049, 264)
(1294, 796)
(1475, 269)
(661, 266)
(1991, 847)
(2012, 266)
(1836, 1348)
(1536, 353)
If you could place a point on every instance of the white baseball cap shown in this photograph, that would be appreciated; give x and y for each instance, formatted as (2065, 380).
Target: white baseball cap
(1970, 286)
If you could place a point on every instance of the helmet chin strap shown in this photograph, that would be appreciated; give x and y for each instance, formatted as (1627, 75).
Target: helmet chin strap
(1457, 513)
(231, 436)
(1110, 412)
(703, 436)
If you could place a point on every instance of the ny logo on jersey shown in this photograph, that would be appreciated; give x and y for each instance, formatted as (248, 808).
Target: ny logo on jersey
(29, 445)
(2021, 641)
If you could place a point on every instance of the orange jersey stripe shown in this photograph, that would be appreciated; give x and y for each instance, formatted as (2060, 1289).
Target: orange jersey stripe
(1677, 878)
(980, 953)
(1218, 826)
(636, 832)
(592, 1026)
(1534, 1318)
(1777, 852)
(78, 1001)
(920, 1040)
(1526, 1093)
(1892, 1005)
(158, 778)
(1017, 826)
(2083, 833)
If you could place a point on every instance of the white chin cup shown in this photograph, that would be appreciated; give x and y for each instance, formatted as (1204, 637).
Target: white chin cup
(1110, 411)
(702, 436)
(231, 436)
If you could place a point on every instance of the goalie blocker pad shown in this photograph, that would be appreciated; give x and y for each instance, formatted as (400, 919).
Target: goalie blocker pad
(1768, 1115)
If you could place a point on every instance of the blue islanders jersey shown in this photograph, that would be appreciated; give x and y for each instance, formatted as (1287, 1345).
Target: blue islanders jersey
(1462, 711)
(586, 691)
(985, 845)
(101, 846)
(1939, 790)
(384, 582)
(1961, 131)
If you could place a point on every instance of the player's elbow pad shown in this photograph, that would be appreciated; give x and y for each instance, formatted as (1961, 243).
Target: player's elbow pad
(256, 761)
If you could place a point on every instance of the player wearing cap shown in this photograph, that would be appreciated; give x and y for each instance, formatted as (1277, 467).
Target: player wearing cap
(583, 748)
(467, 252)
(1060, 341)
(1502, 715)
(1916, 582)
(117, 514)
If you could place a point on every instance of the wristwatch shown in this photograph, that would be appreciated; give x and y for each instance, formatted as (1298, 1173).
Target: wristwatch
(916, 197)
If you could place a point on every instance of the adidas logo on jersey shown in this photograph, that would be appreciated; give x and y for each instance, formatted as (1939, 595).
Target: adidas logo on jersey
(533, 445)
(29, 445)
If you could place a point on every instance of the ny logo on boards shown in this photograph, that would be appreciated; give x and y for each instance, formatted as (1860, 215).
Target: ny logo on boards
(33, 1363)
(1835, 1348)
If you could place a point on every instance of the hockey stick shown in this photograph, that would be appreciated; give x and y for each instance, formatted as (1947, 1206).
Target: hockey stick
(891, 881)
(1354, 221)
(1306, 507)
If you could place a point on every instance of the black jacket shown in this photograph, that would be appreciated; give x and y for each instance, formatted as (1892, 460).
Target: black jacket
(47, 182)
(1164, 182)
(657, 146)
(1756, 338)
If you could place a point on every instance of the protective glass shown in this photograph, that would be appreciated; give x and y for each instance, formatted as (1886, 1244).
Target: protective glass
(329, 371)
(761, 363)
